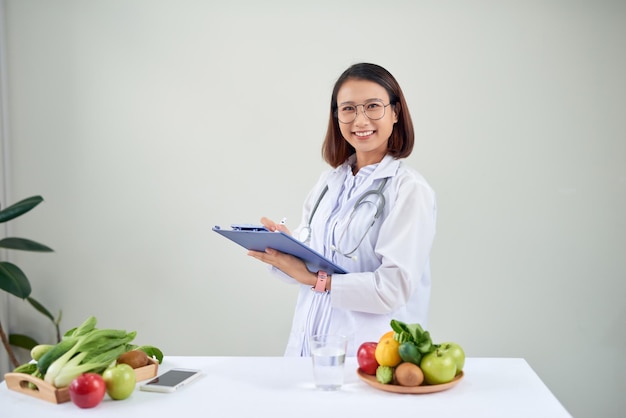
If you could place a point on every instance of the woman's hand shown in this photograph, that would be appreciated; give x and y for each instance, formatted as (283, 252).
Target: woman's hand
(274, 226)
(288, 264)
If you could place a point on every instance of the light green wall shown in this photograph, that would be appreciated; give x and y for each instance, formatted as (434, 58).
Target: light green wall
(145, 123)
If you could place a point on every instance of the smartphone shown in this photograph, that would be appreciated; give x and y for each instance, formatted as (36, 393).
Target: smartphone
(171, 380)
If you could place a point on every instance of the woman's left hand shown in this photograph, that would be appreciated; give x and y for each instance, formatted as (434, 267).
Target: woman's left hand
(288, 264)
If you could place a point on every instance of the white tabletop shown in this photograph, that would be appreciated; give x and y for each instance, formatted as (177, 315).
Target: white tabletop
(283, 387)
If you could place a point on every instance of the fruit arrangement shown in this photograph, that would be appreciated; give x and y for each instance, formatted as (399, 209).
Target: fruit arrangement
(90, 363)
(407, 356)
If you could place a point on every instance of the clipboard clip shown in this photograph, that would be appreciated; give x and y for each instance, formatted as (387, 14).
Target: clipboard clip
(248, 227)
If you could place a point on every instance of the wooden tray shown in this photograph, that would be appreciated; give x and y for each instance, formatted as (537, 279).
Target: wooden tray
(20, 382)
(371, 380)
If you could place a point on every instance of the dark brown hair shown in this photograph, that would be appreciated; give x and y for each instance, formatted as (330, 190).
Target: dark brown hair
(336, 149)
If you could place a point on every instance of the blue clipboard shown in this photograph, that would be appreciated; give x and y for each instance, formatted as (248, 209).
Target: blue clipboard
(257, 238)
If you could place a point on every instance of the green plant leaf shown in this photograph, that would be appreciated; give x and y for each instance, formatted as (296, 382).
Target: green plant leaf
(13, 280)
(40, 307)
(24, 341)
(19, 208)
(24, 244)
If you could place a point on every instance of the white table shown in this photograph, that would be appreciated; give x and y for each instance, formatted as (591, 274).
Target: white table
(283, 387)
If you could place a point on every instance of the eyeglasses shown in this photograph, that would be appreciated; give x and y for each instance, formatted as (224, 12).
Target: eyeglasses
(373, 109)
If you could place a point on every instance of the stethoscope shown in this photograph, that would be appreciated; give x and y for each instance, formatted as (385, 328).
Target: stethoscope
(305, 233)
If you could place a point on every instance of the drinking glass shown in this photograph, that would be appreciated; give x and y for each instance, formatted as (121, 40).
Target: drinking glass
(329, 355)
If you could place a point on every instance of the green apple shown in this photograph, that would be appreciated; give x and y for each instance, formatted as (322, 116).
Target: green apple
(456, 351)
(438, 367)
(120, 381)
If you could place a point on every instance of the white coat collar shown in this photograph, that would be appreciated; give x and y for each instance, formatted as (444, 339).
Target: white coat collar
(388, 167)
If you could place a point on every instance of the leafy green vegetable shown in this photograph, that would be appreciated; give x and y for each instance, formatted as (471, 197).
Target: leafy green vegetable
(83, 349)
(87, 362)
(54, 353)
(96, 350)
(87, 326)
(28, 368)
(413, 333)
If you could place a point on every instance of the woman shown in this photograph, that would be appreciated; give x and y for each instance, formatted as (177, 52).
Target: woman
(369, 133)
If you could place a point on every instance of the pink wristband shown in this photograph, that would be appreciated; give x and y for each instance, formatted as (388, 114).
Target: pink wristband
(320, 285)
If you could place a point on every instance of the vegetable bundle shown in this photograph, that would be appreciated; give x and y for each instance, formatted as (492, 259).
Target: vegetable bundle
(414, 341)
(82, 349)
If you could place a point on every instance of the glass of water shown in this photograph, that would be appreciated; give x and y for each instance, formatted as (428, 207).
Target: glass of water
(329, 355)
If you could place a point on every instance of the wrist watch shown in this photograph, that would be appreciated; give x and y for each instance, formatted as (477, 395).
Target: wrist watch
(320, 285)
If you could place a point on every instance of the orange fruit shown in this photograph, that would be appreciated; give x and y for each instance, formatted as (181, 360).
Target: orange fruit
(386, 335)
(387, 351)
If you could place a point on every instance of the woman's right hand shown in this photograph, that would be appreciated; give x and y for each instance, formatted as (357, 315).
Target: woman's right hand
(274, 226)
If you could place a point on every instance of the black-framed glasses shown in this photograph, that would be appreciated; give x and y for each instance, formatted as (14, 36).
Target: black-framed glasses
(373, 109)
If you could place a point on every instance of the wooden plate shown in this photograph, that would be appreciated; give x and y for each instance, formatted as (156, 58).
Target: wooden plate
(371, 380)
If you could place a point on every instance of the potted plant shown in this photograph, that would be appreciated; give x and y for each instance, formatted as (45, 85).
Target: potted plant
(14, 281)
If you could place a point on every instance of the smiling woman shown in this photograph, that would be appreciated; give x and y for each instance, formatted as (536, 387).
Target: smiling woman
(368, 130)
(370, 213)
(144, 123)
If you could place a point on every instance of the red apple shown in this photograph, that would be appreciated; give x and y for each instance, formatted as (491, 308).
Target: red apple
(87, 390)
(366, 358)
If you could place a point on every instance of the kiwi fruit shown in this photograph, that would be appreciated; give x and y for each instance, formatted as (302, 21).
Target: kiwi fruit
(134, 358)
(408, 374)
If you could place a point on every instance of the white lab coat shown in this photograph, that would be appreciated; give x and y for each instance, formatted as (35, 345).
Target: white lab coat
(390, 277)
